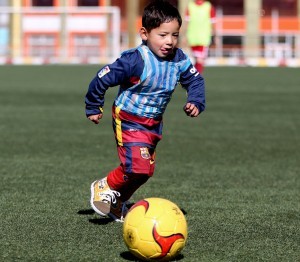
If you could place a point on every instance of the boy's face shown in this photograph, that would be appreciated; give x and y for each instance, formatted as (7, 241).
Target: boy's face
(163, 39)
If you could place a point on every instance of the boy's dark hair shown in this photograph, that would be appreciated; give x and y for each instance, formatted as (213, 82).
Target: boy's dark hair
(159, 12)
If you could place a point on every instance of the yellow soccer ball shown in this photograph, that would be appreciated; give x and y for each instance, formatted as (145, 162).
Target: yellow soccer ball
(155, 229)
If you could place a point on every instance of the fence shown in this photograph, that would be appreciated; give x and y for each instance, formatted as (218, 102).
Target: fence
(279, 41)
(92, 35)
(59, 35)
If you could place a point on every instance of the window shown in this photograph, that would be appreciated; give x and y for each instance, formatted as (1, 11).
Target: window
(42, 2)
(284, 7)
(88, 2)
(229, 7)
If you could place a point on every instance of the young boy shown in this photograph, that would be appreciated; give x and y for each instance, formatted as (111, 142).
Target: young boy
(147, 76)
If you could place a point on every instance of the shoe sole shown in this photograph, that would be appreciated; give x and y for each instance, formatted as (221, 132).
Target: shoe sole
(92, 202)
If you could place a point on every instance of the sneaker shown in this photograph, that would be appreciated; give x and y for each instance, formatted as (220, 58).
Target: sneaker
(103, 198)
(118, 211)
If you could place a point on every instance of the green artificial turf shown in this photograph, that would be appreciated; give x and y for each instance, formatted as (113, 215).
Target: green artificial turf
(234, 170)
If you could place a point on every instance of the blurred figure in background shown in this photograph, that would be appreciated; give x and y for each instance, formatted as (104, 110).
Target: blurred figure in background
(199, 29)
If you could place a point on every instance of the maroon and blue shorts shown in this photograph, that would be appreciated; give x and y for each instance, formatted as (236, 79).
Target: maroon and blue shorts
(136, 139)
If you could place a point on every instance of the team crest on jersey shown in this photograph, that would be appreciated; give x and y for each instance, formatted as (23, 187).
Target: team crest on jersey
(103, 71)
(145, 153)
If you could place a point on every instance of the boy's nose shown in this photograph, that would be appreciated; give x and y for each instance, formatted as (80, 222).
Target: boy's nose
(169, 41)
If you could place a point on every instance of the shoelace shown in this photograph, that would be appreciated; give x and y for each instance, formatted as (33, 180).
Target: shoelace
(110, 196)
(123, 212)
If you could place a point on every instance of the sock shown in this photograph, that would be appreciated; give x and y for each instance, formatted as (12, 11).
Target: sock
(199, 67)
(125, 184)
(116, 178)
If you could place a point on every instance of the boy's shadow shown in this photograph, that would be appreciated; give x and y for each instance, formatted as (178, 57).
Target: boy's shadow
(100, 220)
(104, 220)
(97, 221)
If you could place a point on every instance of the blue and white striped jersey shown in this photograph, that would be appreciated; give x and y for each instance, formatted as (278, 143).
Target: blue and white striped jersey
(146, 83)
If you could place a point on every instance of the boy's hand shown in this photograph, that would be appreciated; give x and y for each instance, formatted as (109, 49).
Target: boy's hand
(95, 118)
(191, 110)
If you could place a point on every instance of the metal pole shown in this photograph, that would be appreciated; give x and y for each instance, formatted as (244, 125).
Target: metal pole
(132, 14)
(252, 9)
(63, 32)
(182, 5)
(15, 38)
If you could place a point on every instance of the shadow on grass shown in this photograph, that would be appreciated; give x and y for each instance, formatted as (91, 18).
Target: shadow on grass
(101, 221)
(86, 212)
(130, 257)
(105, 220)
(97, 221)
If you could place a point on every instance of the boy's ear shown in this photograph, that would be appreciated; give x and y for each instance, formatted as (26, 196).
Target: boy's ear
(143, 34)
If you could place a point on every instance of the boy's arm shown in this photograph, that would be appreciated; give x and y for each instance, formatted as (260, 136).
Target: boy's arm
(193, 82)
(111, 75)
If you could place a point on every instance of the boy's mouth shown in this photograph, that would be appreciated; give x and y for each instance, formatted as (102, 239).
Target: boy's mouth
(166, 51)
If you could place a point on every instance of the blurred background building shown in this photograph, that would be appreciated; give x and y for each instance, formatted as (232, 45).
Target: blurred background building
(251, 32)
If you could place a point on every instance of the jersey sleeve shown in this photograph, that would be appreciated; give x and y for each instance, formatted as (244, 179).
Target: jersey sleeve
(193, 82)
(121, 71)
